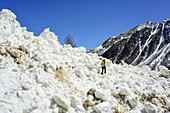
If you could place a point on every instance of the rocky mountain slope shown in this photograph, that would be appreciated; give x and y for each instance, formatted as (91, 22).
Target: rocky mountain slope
(38, 75)
(146, 44)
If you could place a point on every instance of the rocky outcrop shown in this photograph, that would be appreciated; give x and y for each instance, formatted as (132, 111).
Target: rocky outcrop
(146, 44)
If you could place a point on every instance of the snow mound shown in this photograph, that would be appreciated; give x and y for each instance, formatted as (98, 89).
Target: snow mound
(39, 75)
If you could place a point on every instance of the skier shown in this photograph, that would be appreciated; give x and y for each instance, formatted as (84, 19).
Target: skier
(103, 64)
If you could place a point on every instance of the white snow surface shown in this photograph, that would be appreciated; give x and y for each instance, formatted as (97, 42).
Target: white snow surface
(39, 75)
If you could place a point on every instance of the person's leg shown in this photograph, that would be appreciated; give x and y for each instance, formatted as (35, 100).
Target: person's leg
(102, 70)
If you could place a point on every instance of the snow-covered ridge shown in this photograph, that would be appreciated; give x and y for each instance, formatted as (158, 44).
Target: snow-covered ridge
(145, 44)
(38, 75)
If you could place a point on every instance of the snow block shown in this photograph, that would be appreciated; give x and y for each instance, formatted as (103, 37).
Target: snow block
(168, 103)
(56, 110)
(92, 73)
(79, 74)
(125, 91)
(25, 96)
(40, 92)
(103, 107)
(115, 92)
(61, 101)
(132, 101)
(81, 50)
(103, 95)
(156, 102)
(164, 71)
(88, 103)
(2, 50)
(150, 108)
(36, 111)
(25, 86)
(80, 109)
(75, 102)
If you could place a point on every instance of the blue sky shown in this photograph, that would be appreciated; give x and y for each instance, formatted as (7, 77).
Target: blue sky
(89, 22)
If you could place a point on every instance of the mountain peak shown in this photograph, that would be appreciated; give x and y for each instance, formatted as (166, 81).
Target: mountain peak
(146, 44)
(168, 19)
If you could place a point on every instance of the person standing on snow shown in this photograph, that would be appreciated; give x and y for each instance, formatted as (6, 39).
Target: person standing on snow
(103, 64)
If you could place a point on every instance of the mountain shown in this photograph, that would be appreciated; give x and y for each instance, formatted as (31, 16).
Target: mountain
(39, 75)
(146, 44)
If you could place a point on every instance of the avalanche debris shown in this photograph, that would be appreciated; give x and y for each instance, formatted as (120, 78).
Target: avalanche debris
(39, 75)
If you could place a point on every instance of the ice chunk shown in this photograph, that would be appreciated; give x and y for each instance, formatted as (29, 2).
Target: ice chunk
(80, 109)
(2, 50)
(40, 92)
(25, 96)
(55, 110)
(103, 95)
(133, 101)
(103, 107)
(79, 74)
(150, 108)
(168, 103)
(125, 91)
(36, 111)
(164, 71)
(62, 101)
(75, 102)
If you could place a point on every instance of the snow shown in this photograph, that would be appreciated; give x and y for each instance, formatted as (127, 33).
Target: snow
(148, 25)
(103, 107)
(38, 74)
(103, 95)
(153, 54)
(147, 44)
(99, 49)
(162, 51)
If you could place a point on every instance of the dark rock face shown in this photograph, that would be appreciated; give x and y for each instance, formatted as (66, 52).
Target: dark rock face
(146, 44)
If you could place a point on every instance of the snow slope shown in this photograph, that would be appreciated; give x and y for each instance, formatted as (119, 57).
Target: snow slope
(38, 75)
